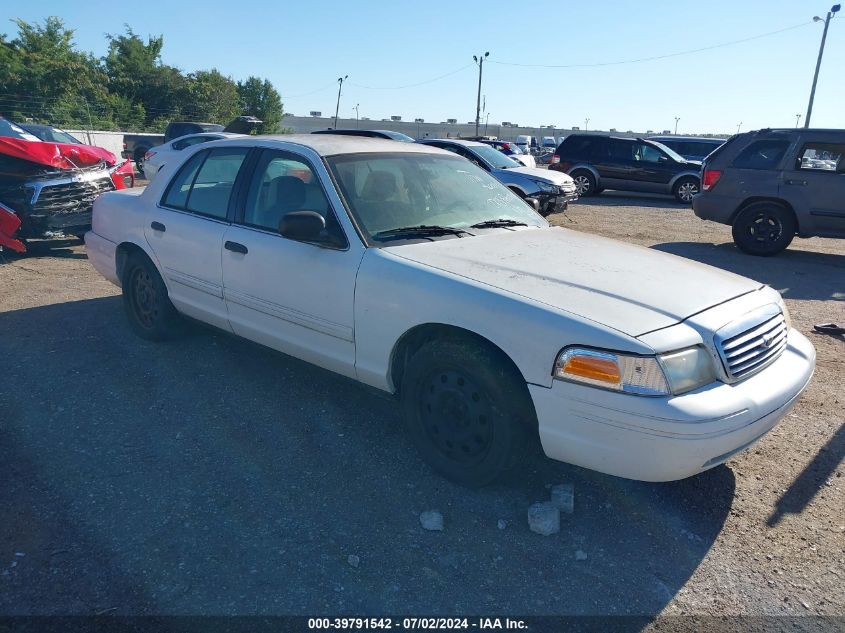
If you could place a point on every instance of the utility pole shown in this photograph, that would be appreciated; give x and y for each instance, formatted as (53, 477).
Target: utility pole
(797, 119)
(586, 123)
(833, 9)
(339, 88)
(677, 118)
(356, 116)
(480, 61)
(739, 125)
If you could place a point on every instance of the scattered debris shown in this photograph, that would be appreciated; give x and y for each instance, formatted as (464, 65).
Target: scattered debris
(544, 518)
(580, 555)
(432, 520)
(502, 524)
(353, 560)
(563, 496)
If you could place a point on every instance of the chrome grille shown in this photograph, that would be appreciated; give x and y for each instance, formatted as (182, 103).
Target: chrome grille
(753, 343)
(69, 197)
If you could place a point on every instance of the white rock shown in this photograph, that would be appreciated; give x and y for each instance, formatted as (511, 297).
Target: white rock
(502, 524)
(563, 496)
(580, 555)
(353, 560)
(432, 520)
(544, 518)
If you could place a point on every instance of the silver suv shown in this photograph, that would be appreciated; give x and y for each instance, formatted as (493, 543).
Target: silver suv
(773, 184)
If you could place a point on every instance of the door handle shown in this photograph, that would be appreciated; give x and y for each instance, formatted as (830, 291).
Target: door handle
(235, 247)
(158, 226)
(802, 183)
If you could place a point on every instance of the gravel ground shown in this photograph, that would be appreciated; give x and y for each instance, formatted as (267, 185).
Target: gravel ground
(212, 476)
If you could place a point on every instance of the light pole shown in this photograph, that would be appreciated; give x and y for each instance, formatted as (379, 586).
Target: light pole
(339, 88)
(797, 119)
(356, 116)
(739, 125)
(586, 123)
(480, 61)
(677, 118)
(833, 9)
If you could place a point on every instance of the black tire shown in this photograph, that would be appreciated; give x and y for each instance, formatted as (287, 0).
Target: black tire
(585, 182)
(764, 228)
(467, 411)
(148, 308)
(685, 189)
(139, 160)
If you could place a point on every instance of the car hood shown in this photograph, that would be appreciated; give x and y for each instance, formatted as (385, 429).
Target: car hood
(629, 288)
(555, 177)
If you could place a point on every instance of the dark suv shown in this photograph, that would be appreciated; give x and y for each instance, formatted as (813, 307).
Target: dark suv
(771, 185)
(690, 147)
(598, 162)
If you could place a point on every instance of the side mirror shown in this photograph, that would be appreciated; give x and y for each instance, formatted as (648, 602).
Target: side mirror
(662, 159)
(302, 225)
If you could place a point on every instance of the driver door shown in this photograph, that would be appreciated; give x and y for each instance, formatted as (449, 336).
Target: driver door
(294, 296)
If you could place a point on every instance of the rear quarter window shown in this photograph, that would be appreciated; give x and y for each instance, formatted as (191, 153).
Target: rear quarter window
(762, 154)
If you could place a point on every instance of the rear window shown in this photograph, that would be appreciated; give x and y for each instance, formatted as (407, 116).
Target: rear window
(762, 154)
(577, 147)
(822, 157)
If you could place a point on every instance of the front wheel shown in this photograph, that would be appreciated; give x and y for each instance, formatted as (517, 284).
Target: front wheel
(467, 410)
(685, 189)
(764, 228)
(148, 307)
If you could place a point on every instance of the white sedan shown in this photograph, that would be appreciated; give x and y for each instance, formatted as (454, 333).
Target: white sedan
(410, 269)
(158, 156)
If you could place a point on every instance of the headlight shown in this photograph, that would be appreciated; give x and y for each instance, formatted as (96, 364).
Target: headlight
(688, 369)
(671, 373)
(546, 187)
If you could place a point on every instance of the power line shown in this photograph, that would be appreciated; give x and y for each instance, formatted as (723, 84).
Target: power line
(421, 83)
(656, 57)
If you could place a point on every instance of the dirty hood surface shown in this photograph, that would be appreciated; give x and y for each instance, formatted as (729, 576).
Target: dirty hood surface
(629, 288)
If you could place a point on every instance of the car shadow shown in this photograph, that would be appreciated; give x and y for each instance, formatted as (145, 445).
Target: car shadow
(629, 199)
(210, 475)
(796, 274)
(56, 247)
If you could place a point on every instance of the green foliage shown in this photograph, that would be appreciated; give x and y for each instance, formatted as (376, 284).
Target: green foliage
(260, 99)
(45, 78)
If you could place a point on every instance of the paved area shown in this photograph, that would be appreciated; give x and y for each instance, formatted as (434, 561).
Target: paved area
(212, 476)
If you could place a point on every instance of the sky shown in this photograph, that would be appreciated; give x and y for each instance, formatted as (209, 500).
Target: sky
(383, 47)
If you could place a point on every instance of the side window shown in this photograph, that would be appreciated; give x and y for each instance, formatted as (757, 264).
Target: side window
(176, 196)
(282, 183)
(204, 184)
(619, 150)
(822, 157)
(763, 154)
(646, 153)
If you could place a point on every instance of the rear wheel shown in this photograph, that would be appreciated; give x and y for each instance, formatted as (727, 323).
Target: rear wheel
(139, 160)
(685, 189)
(150, 312)
(764, 228)
(585, 182)
(466, 409)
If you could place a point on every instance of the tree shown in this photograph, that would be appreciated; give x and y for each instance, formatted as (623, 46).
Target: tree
(259, 99)
(213, 97)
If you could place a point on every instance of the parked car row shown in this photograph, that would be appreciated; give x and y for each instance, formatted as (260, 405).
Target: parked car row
(427, 278)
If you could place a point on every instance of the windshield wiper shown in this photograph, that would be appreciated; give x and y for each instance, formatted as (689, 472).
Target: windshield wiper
(489, 224)
(422, 230)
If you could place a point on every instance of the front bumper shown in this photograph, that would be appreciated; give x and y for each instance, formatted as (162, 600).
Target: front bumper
(554, 203)
(664, 439)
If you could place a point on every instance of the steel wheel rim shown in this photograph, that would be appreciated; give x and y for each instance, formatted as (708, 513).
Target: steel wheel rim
(456, 414)
(144, 298)
(765, 228)
(687, 190)
(582, 184)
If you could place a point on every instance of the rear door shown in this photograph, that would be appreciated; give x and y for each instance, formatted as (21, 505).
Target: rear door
(186, 229)
(814, 184)
(652, 169)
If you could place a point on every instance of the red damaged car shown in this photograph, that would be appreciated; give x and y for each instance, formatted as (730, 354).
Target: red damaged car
(50, 187)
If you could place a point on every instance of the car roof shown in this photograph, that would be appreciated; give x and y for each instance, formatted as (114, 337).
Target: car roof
(672, 137)
(335, 144)
(456, 141)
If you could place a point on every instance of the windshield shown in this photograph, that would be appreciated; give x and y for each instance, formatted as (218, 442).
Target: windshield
(52, 134)
(388, 191)
(398, 136)
(672, 153)
(514, 148)
(10, 130)
(494, 157)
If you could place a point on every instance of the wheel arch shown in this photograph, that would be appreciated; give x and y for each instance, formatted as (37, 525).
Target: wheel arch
(586, 167)
(414, 338)
(122, 254)
(780, 201)
(684, 174)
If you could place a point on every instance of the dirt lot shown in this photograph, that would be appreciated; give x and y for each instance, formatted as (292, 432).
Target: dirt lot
(212, 476)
